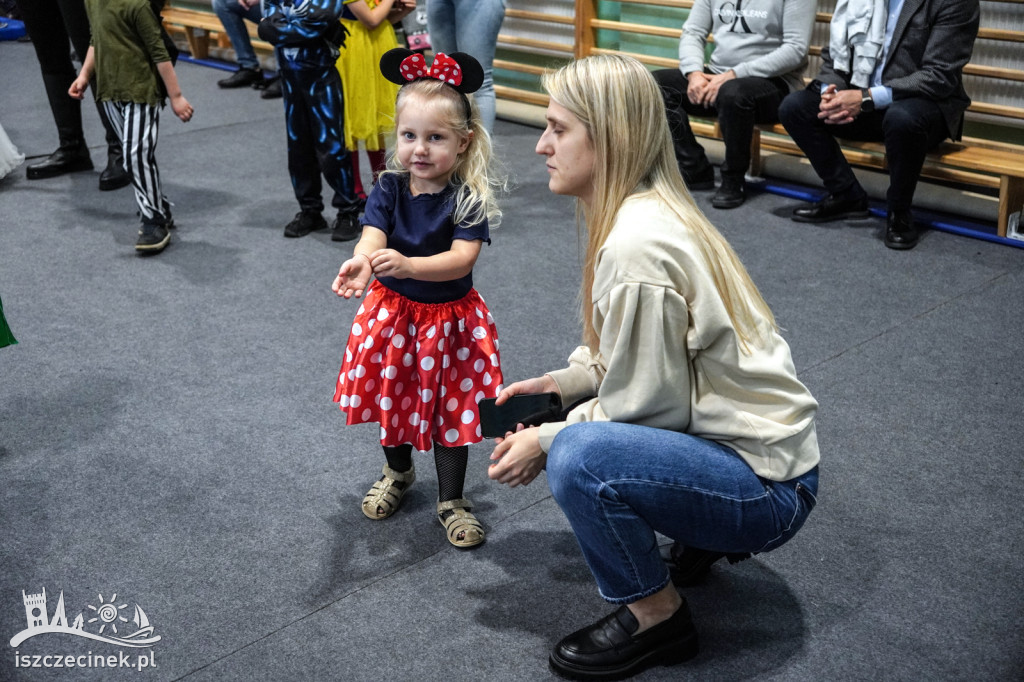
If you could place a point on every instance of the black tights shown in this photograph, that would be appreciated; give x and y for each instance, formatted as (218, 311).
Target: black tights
(450, 462)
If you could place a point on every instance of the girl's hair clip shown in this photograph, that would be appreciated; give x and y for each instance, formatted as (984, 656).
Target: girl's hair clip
(459, 70)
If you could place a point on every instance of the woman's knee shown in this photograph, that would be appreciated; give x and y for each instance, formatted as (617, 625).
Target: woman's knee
(568, 456)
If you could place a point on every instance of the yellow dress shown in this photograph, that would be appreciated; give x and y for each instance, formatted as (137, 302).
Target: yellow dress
(369, 97)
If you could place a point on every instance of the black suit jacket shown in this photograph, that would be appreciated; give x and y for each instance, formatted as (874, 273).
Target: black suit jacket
(932, 42)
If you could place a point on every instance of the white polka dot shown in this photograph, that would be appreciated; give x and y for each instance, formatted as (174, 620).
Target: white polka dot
(383, 314)
(498, 389)
(424, 426)
(385, 404)
(487, 380)
(383, 433)
(412, 329)
(369, 342)
(366, 413)
(446, 362)
(406, 402)
(452, 374)
(368, 386)
(431, 331)
(439, 420)
(479, 433)
(447, 328)
(427, 395)
(362, 309)
(440, 345)
(478, 366)
(407, 359)
(394, 420)
(427, 363)
(357, 329)
(343, 401)
(351, 374)
(398, 341)
(490, 319)
(401, 434)
(388, 333)
(444, 391)
(478, 313)
(399, 387)
(417, 346)
(356, 401)
(478, 333)
(462, 353)
(480, 395)
(376, 399)
(496, 346)
(348, 355)
(468, 416)
(414, 418)
(452, 405)
(360, 371)
(376, 358)
(466, 384)
(450, 435)
(390, 372)
(369, 325)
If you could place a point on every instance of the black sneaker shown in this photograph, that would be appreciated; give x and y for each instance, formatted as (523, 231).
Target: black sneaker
(303, 223)
(241, 78)
(346, 228)
(153, 237)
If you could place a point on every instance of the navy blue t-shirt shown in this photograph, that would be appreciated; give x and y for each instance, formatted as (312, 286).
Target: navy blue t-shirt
(420, 226)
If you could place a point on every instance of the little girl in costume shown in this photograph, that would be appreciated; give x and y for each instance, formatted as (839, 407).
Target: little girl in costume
(369, 100)
(423, 350)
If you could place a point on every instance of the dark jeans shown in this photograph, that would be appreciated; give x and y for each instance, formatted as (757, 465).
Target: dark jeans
(908, 127)
(741, 103)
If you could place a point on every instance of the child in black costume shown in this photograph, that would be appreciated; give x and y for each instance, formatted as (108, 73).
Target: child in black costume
(307, 35)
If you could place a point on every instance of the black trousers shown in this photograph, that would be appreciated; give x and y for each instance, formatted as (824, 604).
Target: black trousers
(908, 127)
(51, 24)
(315, 118)
(741, 103)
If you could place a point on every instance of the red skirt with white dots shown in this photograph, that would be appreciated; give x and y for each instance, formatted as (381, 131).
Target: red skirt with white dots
(419, 369)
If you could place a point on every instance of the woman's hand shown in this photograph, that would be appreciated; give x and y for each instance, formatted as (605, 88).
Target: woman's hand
(390, 263)
(353, 276)
(518, 457)
(544, 384)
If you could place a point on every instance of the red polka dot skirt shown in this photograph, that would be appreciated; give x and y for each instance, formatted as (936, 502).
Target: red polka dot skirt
(419, 369)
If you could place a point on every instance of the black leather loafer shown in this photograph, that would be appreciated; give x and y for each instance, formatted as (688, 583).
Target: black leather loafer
(900, 232)
(831, 208)
(71, 159)
(702, 181)
(731, 194)
(608, 649)
(689, 566)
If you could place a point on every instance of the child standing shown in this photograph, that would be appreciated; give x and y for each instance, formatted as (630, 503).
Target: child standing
(307, 35)
(423, 350)
(128, 55)
(371, 111)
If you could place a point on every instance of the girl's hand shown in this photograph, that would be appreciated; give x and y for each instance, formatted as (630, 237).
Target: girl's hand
(518, 458)
(544, 384)
(353, 276)
(390, 263)
(182, 109)
(78, 87)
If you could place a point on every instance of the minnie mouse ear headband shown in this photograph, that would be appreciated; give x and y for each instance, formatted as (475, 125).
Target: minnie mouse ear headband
(459, 70)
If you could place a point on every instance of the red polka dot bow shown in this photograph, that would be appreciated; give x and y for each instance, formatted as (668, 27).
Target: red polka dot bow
(444, 68)
(459, 70)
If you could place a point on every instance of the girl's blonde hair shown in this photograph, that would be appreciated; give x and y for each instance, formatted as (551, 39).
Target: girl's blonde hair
(477, 182)
(621, 107)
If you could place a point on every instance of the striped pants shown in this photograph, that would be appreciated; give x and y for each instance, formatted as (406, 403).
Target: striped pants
(138, 126)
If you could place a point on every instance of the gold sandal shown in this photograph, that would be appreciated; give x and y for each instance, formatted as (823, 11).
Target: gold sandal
(385, 495)
(460, 520)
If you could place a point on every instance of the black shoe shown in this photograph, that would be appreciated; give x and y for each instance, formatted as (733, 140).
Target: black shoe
(900, 232)
(241, 78)
(153, 237)
(346, 228)
(303, 223)
(609, 650)
(731, 193)
(64, 160)
(832, 208)
(114, 176)
(701, 181)
(688, 566)
(273, 89)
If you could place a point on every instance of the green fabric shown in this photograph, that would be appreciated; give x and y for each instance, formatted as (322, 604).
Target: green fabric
(127, 43)
(6, 337)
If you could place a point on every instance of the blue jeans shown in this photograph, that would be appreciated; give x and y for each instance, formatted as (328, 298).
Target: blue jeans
(469, 26)
(619, 483)
(233, 16)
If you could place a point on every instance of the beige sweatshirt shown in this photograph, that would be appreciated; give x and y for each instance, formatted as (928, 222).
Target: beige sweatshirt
(669, 356)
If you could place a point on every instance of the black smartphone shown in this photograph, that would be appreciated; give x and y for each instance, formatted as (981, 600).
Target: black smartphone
(529, 409)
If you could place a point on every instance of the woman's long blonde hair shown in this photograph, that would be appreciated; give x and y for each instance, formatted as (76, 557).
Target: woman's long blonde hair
(620, 104)
(476, 180)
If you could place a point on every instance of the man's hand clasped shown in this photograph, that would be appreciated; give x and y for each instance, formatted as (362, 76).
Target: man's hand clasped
(839, 107)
